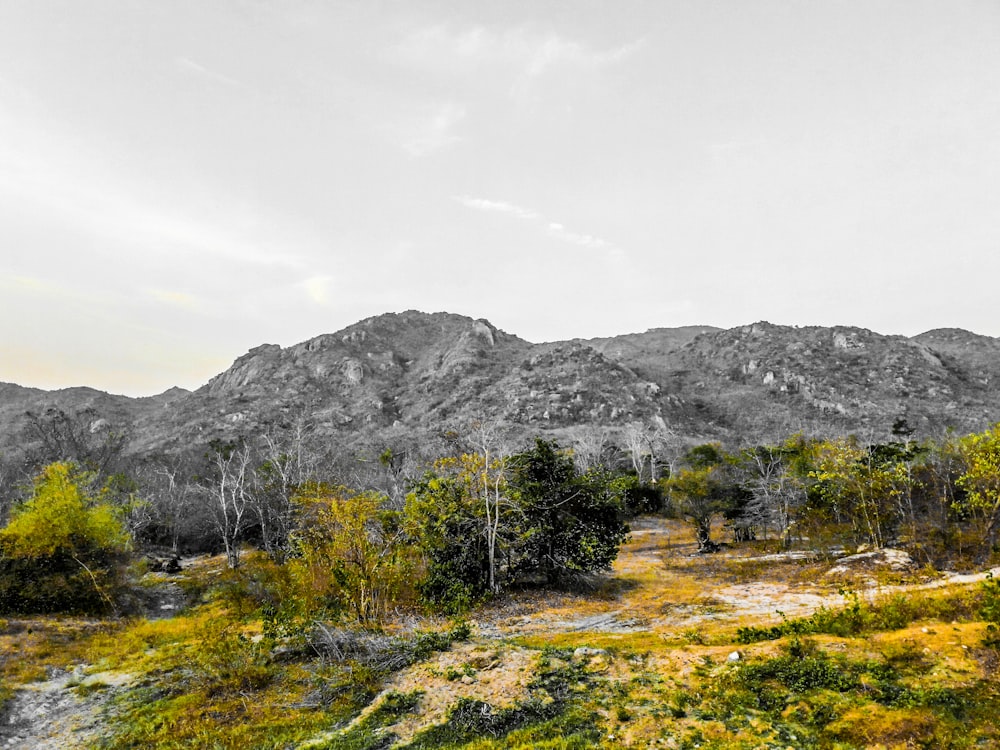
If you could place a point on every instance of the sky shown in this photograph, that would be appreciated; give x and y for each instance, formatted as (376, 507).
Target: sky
(182, 181)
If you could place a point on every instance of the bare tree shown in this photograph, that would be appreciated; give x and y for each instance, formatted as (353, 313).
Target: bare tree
(172, 496)
(634, 438)
(389, 467)
(229, 492)
(284, 466)
(489, 441)
(83, 437)
(644, 443)
(592, 448)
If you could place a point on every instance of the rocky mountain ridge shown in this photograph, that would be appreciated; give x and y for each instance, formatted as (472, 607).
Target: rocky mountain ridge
(415, 373)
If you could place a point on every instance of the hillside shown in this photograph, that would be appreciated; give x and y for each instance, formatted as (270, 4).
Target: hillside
(414, 374)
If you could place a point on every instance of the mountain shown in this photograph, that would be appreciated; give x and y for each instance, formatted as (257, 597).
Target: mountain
(411, 372)
(778, 379)
(416, 374)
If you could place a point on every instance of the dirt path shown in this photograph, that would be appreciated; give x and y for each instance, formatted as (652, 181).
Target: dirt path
(64, 711)
(61, 712)
(659, 585)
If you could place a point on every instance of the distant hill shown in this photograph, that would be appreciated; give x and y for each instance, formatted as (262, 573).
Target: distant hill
(412, 374)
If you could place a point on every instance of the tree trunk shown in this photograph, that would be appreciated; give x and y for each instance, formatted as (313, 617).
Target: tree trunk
(703, 533)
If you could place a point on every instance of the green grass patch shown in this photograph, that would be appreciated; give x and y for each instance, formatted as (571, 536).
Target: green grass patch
(808, 698)
(859, 617)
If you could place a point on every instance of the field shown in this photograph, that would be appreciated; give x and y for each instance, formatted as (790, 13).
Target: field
(747, 648)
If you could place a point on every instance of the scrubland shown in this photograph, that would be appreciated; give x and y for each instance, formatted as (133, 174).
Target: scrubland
(747, 648)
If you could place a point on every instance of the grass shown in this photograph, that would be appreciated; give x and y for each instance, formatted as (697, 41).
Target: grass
(858, 616)
(31, 649)
(895, 671)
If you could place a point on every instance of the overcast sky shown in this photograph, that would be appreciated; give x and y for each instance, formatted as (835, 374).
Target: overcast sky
(181, 181)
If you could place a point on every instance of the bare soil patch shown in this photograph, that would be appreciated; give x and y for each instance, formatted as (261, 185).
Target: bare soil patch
(63, 711)
(659, 584)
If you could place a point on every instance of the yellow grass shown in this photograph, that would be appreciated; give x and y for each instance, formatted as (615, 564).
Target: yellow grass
(665, 617)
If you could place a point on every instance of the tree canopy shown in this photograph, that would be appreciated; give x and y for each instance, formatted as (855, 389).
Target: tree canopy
(483, 524)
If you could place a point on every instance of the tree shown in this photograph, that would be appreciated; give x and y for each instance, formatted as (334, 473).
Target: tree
(282, 470)
(82, 437)
(462, 517)
(121, 491)
(574, 522)
(176, 502)
(643, 444)
(228, 489)
(63, 547)
(774, 476)
(981, 483)
(447, 528)
(592, 448)
(701, 491)
(482, 523)
(490, 474)
(349, 547)
(937, 503)
(861, 486)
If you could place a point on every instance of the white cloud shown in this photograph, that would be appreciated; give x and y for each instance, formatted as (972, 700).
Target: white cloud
(584, 240)
(481, 204)
(555, 50)
(552, 229)
(430, 129)
(530, 51)
(191, 67)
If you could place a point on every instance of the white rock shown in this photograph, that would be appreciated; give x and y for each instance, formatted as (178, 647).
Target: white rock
(585, 652)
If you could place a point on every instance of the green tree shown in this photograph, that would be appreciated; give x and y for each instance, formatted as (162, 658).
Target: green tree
(574, 522)
(980, 481)
(482, 523)
(63, 547)
(703, 490)
(465, 522)
(863, 486)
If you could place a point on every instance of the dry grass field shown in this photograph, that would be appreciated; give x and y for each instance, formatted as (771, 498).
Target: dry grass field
(748, 648)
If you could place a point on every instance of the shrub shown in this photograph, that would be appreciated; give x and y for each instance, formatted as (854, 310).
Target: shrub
(858, 617)
(349, 550)
(989, 609)
(64, 549)
(383, 652)
(227, 661)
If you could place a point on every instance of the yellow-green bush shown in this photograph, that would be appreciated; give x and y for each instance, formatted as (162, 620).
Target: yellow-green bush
(63, 549)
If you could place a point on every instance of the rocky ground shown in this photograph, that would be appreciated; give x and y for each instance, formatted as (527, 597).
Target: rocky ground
(61, 712)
